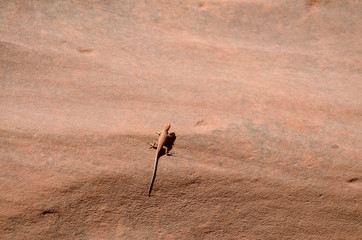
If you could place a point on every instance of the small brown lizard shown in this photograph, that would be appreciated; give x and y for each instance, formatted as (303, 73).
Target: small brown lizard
(159, 146)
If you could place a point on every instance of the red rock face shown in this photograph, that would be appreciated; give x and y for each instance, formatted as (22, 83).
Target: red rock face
(264, 98)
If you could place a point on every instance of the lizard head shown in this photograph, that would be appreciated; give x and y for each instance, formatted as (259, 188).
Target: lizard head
(167, 126)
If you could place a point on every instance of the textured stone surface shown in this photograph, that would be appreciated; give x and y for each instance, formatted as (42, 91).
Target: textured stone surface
(264, 98)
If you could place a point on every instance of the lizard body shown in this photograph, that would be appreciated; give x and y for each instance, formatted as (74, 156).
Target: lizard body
(160, 145)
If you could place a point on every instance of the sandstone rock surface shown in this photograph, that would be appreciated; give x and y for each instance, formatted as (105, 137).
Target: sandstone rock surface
(264, 98)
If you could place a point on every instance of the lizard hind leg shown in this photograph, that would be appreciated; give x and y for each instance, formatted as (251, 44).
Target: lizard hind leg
(153, 145)
(166, 150)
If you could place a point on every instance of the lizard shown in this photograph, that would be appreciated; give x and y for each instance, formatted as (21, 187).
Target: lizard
(162, 137)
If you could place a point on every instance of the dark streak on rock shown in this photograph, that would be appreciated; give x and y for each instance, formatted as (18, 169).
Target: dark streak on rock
(84, 50)
(45, 212)
(353, 180)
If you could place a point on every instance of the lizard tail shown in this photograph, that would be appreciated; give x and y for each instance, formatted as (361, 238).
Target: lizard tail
(154, 175)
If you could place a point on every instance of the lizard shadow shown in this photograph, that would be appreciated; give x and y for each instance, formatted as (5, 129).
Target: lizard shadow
(170, 141)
